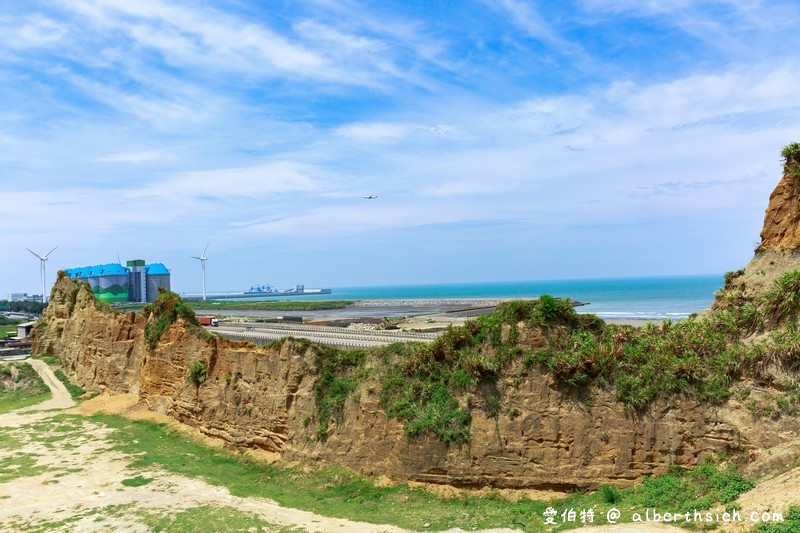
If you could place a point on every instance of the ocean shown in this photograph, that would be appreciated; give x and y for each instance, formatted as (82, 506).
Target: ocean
(653, 298)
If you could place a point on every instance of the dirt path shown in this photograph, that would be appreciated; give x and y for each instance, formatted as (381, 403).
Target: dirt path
(66, 476)
(61, 398)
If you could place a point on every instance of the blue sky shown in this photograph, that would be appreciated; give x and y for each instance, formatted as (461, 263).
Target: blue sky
(505, 139)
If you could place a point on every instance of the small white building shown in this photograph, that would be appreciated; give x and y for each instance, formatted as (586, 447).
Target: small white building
(24, 329)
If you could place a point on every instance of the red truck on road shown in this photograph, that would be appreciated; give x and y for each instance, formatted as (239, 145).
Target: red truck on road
(208, 321)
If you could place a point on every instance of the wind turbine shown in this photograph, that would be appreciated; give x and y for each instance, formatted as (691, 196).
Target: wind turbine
(43, 259)
(202, 260)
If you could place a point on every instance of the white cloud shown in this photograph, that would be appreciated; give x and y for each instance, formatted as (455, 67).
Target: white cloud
(196, 38)
(525, 16)
(201, 36)
(134, 157)
(35, 31)
(375, 132)
(253, 182)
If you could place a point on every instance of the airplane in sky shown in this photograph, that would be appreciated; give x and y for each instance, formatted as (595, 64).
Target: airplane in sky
(371, 197)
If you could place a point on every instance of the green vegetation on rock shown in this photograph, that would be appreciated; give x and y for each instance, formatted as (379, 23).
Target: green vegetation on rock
(699, 488)
(198, 372)
(137, 481)
(434, 388)
(164, 312)
(74, 390)
(791, 162)
(340, 372)
(790, 524)
(20, 386)
(784, 298)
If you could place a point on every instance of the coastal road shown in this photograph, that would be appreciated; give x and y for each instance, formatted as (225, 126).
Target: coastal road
(264, 333)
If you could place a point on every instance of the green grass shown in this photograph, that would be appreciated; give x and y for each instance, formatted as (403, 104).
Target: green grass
(702, 487)
(20, 386)
(137, 481)
(100, 515)
(210, 518)
(164, 312)
(5, 330)
(340, 373)
(19, 465)
(791, 163)
(790, 524)
(74, 390)
(50, 359)
(336, 492)
(784, 298)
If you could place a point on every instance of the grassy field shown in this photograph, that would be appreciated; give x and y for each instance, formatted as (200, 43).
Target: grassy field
(333, 491)
(20, 386)
(5, 330)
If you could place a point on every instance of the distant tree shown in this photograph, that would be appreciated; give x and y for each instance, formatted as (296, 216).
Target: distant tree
(35, 308)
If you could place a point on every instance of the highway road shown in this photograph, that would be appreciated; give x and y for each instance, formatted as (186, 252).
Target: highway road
(264, 333)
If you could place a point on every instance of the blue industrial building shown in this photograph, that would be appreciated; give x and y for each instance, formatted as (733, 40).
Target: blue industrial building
(136, 282)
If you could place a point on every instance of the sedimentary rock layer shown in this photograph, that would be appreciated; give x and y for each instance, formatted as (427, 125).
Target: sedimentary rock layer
(545, 435)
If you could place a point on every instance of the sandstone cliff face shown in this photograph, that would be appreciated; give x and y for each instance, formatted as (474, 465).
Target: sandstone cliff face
(779, 250)
(781, 230)
(545, 436)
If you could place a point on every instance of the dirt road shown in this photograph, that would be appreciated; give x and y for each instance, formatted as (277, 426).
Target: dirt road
(61, 398)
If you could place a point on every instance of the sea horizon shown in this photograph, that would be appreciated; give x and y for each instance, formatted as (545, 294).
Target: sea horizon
(640, 297)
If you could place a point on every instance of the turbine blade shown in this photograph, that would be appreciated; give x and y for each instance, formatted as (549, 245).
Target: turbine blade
(48, 253)
(195, 257)
(205, 249)
(34, 253)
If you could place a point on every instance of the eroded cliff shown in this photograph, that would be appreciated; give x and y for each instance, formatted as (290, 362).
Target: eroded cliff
(532, 396)
(781, 230)
(542, 432)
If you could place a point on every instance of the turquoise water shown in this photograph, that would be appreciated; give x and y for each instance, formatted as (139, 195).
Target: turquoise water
(651, 298)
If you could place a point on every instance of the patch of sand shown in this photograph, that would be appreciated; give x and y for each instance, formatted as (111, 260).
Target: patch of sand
(130, 407)
(513, 495)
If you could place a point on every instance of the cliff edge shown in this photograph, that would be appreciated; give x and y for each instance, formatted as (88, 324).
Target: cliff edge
(781, 230)
(533, 396)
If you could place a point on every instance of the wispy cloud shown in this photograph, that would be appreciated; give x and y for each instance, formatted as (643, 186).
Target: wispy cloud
(133, 157)
(34, 31)
(526, 17)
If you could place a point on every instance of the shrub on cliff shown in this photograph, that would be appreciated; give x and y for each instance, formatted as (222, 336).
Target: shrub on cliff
(430, 386)
(340, 373)
(164, 312)
(784, 298)
(198, 372)
(434, 387)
